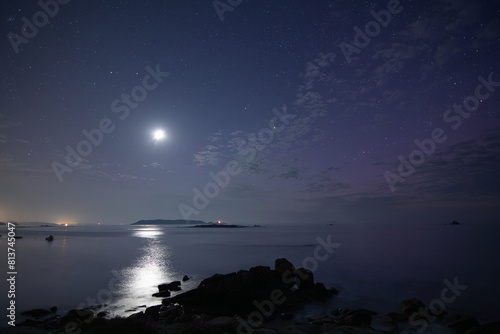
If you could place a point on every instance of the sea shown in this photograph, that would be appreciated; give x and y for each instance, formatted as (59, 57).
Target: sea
(375, 266)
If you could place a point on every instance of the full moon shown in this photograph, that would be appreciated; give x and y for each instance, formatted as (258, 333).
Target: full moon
(159, 135)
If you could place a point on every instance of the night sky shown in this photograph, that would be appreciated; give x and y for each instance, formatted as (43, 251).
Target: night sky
(303, 112)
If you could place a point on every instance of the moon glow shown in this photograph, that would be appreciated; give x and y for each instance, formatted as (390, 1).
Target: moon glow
(159, 135)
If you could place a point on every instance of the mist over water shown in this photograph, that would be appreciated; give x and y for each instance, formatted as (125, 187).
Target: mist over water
(375, 267)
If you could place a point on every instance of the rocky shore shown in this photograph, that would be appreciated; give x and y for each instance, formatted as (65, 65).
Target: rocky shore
(260, 300)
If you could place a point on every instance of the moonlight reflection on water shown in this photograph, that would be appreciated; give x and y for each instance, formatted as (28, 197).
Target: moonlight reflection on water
(153, 267)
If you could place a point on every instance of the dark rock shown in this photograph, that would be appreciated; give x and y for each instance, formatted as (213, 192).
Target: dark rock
(305, 279)
(286, 316)
(264, 331)
(82, 314)
(455, 223)
(385, 323)
(232, 293)
(284, 270)
(337, 312)
(76, 318)
(152, 312)
(222, 324)
(39, 312)
(320, 320)
(356, 330)
(163, 294)
(489, 328)
(173, 286)
(398, 317)
(115, 325)
(461, 322)
(185, 278)
(133, 309)
(215, 278)
(410, 306)
(102, 314)
(172, 313)
(35, 326)
(263, 275)
(320, 292)
(136, 316)
(358, 318)
(301, 329)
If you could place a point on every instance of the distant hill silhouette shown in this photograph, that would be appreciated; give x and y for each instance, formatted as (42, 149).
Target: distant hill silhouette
(169, 222)
(28, 223)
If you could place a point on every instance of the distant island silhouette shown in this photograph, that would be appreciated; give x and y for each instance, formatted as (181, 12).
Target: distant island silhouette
(213, 225)
(192, 223)
(170, 222)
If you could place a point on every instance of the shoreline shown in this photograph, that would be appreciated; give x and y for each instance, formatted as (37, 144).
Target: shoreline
(258, 300)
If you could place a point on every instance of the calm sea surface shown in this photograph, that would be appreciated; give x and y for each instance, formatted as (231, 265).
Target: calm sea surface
(375, 267)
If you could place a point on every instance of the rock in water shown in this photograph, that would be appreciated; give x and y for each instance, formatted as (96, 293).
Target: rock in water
(305, 279)
(162, 294)
(284, 269)
(231, 293)
(174, 286)
(320, 292)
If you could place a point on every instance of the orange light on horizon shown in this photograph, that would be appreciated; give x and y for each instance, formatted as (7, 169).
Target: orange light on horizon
(219, 221)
